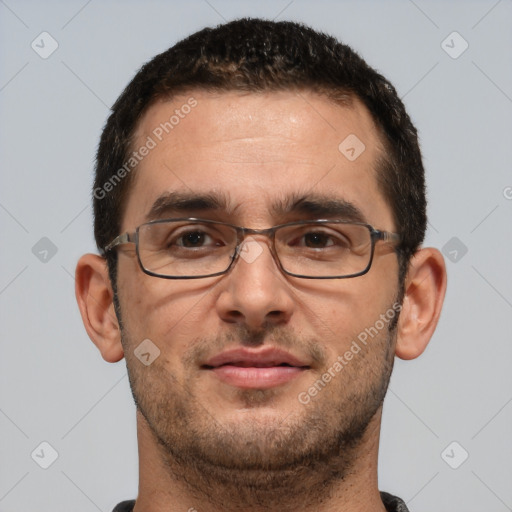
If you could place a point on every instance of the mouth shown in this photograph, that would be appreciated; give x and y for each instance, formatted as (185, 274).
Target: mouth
(261, 368)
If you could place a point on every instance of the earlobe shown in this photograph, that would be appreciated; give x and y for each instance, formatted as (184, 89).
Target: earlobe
(425, 288)
(95, 301)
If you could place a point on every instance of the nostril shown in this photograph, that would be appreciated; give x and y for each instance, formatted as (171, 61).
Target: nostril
(235, 315)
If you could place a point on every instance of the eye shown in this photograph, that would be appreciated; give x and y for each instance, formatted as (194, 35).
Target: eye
(320, 238)
(317, 240)
(194, 238)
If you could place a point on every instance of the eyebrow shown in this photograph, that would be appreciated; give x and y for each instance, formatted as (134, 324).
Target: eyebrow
(319, 206)
(306, 205)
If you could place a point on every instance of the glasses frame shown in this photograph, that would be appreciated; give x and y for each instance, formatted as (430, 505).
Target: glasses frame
(376, 235)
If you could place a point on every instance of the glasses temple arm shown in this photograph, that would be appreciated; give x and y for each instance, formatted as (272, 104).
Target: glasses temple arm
(387, 236)
(118, 240)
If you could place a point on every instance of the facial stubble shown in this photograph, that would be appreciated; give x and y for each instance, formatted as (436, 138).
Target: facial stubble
(262, 459)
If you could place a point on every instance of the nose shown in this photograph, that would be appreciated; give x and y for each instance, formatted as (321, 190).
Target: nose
(255, 292)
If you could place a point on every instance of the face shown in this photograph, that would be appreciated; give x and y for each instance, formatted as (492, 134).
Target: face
(236, 384)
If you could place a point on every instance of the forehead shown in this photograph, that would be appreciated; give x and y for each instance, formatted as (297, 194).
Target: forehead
(256, 150)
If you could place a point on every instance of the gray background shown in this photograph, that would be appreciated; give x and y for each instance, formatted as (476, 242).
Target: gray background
(55, 387)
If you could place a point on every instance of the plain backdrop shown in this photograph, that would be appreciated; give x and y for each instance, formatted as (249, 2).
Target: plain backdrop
(451, 63)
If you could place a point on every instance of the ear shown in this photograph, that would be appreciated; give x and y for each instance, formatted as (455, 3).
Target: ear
(425, 287)
(95, 299)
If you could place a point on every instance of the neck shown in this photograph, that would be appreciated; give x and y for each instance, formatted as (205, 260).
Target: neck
(328, 486)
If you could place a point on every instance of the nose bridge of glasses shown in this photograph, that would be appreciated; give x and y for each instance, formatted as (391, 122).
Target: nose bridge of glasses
(266, 235)
(251, 242)
(266, 232)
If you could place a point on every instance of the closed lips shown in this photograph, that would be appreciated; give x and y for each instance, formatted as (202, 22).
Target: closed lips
(263, 358)
(263, 368)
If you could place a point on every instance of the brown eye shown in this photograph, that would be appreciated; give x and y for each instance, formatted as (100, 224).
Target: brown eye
(192, 239)
(317, 240)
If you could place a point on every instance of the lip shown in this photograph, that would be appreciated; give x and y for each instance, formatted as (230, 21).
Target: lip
(257, 368)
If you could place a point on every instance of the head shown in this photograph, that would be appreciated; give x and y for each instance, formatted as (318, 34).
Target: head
(282, 56)
(245, 124)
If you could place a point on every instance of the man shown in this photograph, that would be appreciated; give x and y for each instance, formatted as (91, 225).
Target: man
(260, 206)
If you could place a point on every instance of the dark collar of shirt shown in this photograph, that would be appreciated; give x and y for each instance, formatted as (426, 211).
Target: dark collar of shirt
(392, 504)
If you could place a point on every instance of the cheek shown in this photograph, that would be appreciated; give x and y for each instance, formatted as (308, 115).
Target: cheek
(166, 311)
(339, 316)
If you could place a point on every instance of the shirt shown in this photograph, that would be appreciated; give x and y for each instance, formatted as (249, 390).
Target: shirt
(392, 504)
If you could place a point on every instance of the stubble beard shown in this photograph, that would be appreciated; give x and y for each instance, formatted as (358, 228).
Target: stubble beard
(263, 462)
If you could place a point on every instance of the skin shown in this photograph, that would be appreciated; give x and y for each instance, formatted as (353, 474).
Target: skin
(210, 446)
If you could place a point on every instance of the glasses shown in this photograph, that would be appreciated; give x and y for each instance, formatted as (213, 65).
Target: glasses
(193, 248)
